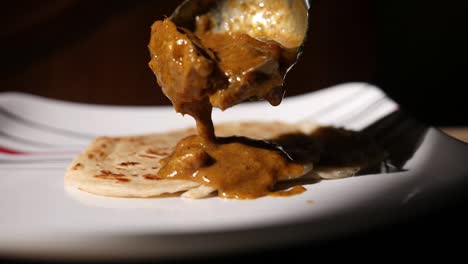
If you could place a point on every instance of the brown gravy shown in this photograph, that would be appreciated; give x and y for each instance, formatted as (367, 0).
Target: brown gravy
(204, 69)
(298, 189)
(235, 169)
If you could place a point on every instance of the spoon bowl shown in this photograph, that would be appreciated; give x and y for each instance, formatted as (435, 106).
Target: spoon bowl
(284, 21)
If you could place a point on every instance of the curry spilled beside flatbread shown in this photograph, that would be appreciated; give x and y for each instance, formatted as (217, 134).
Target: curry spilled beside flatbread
(197, 71)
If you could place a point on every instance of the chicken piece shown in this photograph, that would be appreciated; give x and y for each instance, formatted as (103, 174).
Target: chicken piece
(184, 69)
(252, 67)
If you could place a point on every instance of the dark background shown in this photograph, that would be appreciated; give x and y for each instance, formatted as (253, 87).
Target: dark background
(95, 52)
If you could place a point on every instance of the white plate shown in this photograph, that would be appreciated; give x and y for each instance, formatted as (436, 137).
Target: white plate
(40, 218)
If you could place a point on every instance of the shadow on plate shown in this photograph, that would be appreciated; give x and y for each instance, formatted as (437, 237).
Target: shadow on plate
(382, 147)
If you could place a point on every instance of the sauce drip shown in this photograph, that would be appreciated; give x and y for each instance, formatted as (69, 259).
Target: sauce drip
(204, 69)
(298, 189)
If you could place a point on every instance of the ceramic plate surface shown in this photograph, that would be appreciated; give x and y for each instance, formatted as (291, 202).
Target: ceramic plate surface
(40, 218)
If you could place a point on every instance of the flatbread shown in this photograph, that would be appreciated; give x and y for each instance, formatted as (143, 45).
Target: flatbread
(128, 166)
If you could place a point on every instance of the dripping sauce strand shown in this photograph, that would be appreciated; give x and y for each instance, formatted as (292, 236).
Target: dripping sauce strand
(233, 69)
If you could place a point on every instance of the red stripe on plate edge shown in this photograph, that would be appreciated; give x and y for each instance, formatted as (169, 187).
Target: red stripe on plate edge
(10, 151)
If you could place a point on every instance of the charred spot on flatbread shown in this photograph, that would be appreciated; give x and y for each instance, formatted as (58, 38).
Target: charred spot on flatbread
(109, 175)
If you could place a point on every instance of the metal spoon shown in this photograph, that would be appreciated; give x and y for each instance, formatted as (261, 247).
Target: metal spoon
(284, 21)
